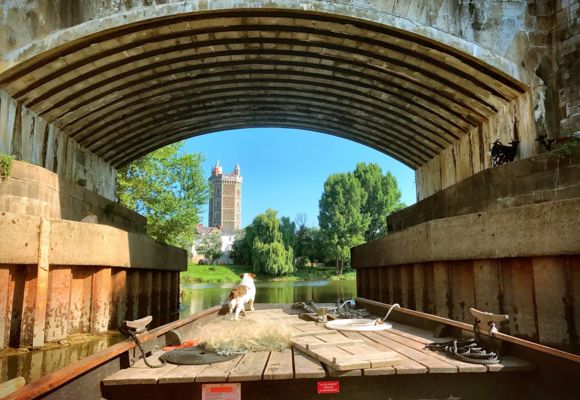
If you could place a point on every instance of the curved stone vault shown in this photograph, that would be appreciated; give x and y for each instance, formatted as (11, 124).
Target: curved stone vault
(124, 92)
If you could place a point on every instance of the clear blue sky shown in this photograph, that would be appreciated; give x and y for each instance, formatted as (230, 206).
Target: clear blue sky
(285, 169)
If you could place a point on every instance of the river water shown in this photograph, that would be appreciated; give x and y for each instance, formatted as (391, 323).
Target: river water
(196, 297)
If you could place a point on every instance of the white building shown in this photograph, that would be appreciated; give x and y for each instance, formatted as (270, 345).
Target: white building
(228, 239)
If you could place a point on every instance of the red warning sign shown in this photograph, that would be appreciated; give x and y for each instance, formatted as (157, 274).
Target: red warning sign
(326, 387)
(221, 391)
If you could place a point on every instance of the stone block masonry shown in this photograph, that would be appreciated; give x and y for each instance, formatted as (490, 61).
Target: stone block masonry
(32, 190)
(568, 64)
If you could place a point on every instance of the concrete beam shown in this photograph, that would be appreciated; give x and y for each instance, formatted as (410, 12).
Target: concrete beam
(41, 285)
(544, 229)
(78, 243)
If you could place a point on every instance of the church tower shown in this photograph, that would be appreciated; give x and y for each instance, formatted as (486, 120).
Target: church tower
(225, 202)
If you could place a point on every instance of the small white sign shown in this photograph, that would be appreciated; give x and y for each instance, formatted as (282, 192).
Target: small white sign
(221, 391)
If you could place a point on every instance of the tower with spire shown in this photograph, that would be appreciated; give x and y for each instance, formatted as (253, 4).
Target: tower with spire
(225, 202)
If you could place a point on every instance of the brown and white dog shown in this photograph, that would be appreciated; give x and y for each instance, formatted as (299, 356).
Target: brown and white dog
(243, 293)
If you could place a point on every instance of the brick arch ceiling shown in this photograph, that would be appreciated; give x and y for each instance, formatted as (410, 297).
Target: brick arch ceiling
(127, 91)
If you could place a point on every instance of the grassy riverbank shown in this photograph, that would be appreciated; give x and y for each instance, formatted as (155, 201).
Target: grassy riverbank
(231, 274)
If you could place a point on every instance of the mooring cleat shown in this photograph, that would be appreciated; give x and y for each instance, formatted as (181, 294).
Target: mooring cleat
(137, 326)
(489, 319)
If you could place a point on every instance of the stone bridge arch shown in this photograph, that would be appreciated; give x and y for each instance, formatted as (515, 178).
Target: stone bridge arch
(89, 86)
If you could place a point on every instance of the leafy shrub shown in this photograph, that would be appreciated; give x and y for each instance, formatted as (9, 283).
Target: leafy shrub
(5, 166)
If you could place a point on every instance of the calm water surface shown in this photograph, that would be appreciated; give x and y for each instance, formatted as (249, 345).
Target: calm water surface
(196, 297)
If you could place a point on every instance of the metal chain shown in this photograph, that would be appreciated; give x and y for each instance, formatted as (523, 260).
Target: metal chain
(138, 342)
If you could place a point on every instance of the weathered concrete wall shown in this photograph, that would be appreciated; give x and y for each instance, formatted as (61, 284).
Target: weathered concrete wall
(31, 138)
(62, 277)
(523, 261)
(545, 229)
(36, 191)
(539, 179)
(471, 154)
(80, 243)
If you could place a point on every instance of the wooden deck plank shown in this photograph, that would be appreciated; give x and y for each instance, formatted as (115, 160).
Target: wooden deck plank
(377, 358)
(279, 365)
(435, 365)
(417, 334)
(118, 378)
(387, 370)
(218, 372)
(340, 359)
(339, 374)
(306, 366)
(311, 328)
(342, 353)
(406, 366)
(182, 374)
(297, 332)
(140, 373)
(461, 365)
(425, 337)
(250, 368)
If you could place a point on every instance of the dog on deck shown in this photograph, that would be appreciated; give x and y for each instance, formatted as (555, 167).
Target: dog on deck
(243, 293)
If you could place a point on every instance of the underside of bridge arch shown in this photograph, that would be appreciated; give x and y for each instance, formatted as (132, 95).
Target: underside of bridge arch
(125, 92)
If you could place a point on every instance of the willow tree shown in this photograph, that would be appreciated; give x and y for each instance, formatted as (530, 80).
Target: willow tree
(262, 246)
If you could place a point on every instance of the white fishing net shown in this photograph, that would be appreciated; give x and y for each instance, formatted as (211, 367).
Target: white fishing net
(227, 337)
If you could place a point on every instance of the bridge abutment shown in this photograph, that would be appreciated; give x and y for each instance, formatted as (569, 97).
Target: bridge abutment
(432, 84)
(506, 240)
(62, 277)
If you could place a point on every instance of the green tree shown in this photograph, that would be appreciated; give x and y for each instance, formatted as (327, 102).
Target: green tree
(168, 187)
(312, 245)
(380, 198)
(272, 258)
(210, 246)
(300, 243)
(241, 251)
(261, 245)
(288, 230)
(342, 224)
(265, 227)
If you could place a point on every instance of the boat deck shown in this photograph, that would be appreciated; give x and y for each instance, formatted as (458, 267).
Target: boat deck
(408, 342)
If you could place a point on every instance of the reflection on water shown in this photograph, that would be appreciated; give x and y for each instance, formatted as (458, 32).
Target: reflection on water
(198, 297)
(37, 363)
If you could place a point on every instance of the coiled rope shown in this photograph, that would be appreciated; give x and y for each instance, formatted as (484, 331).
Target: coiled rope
(468, 351)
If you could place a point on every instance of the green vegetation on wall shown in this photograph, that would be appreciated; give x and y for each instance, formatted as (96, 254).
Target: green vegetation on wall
(5, 166)
(568, 146)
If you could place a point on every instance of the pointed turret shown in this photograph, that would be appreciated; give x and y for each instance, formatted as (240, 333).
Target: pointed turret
(217, 170)
(237, 170)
